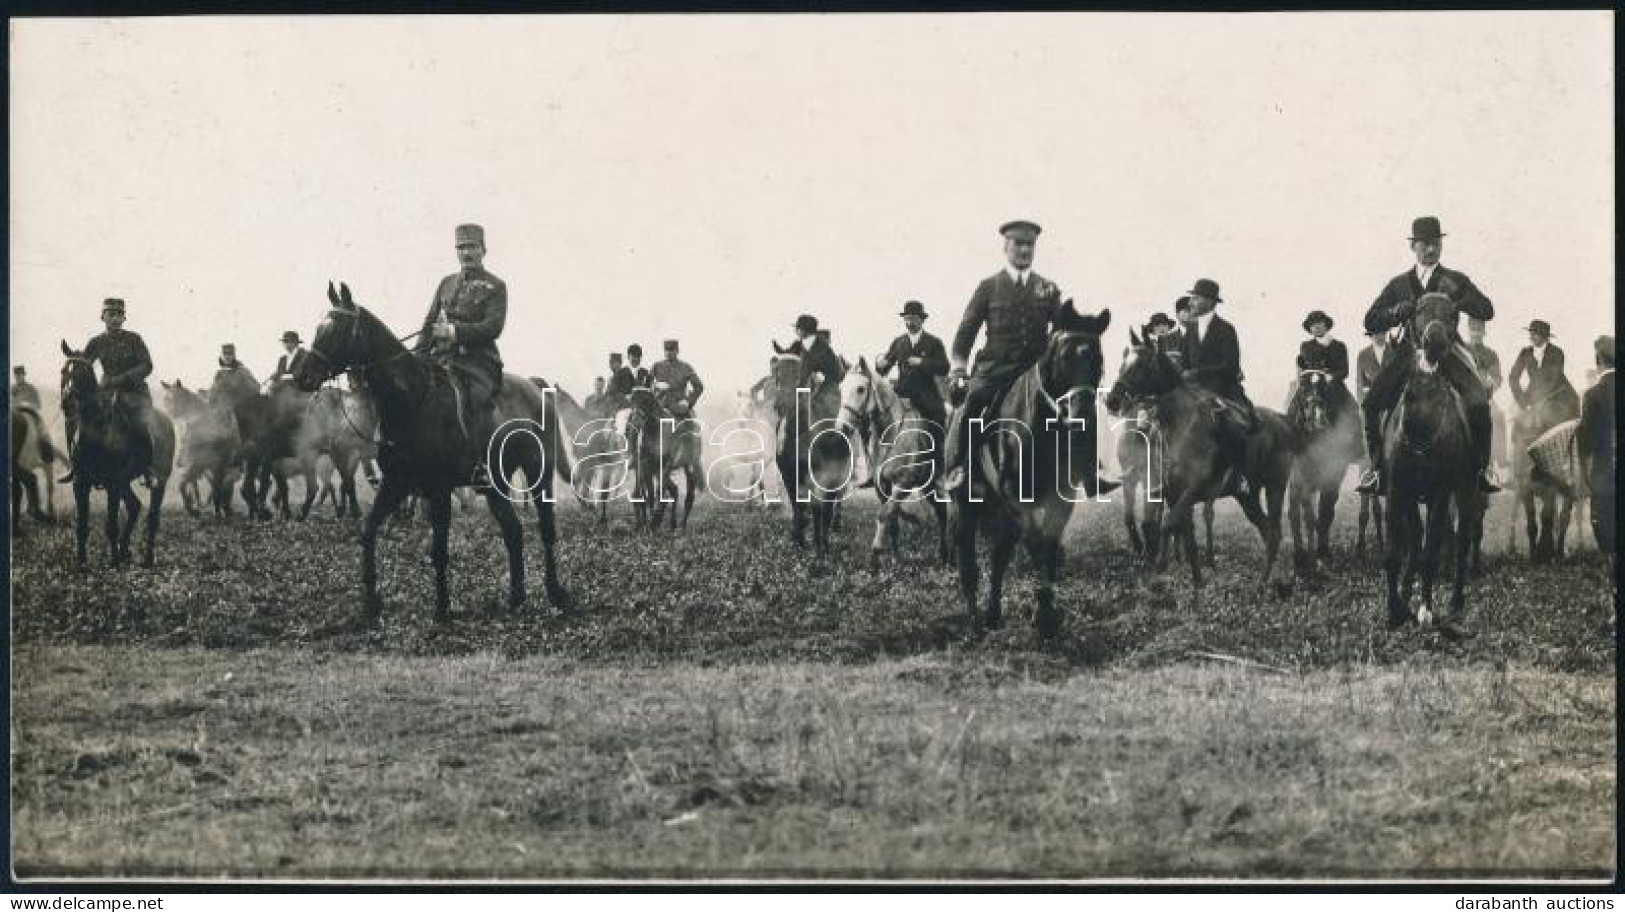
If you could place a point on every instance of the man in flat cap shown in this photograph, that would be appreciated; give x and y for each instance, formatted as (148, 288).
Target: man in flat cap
(1594, 443)
(677, 386)
(466, 317)
(1538, 374)
(293, 354)
(1394, 307)
(233, 381)
(1016, 305)
(125, 365)
(1213, 362)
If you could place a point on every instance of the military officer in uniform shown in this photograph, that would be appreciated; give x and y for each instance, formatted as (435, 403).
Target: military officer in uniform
(641, 378)
(1395, 306)
(292, 356)
(125, 365)
(1016, 305)
(594, 402)
(676, 384)
(23, 392)
(465, 319)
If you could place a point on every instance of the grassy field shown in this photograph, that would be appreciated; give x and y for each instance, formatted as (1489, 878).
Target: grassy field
(720, 707)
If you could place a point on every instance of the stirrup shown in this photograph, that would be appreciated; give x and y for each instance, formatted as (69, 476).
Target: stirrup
(1487, 482)
(955, 479)
(481, 479)
(1370, 483)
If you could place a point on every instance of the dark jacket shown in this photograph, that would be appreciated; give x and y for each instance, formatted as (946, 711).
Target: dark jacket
(477, 304)
(286, 365)
(124, 360)
(641, 377)
(621, 383)
(1332, 357)
(1489, 365)
(682, 382)
(819, 358)
(23, 393)
(1017, 321)
(1406, 287)
(1366, 367)
(1216, 358)
(919, 384)
(1542, 380)
(1594, 440)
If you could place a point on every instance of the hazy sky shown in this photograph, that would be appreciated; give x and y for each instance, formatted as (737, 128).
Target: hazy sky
(710, 177)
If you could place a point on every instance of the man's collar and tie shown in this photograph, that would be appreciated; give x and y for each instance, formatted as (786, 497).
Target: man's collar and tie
(1538, 352)
(914, 337)
(1424, 273)
(1202, 324)
(1019, 276)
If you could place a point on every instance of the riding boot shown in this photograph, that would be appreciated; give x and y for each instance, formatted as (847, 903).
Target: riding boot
(481, 478)
(72, 432)
(955, 459)
(1371, 481)
(1479, 427)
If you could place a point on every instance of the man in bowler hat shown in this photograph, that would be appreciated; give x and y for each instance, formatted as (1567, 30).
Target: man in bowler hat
(292, 356)
(1394, 306)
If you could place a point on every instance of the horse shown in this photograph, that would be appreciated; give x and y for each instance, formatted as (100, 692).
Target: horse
(599, 448)
(32, 455)
(1195, 466)
(270, 424)
(340, 426)
(102, 457)
(751, 412)
(662, 445)
(1331, 443)
(211, 449)
(1021, 485)
(1428, 451)
(424, 450)
(1139, 458)
(814, 457)
(902, 452)
(1547, 505)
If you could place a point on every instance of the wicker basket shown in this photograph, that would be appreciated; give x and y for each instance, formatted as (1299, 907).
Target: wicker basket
(1554, 454)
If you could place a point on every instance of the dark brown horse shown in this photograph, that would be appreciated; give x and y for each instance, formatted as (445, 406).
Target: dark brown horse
(1330, 436)
(271, 426)
(813, 451)
(1036, 463)
(104, 457)
(1195, 466)
(1429, 455)
(424, 450)
(662, 446)
(1140, 459)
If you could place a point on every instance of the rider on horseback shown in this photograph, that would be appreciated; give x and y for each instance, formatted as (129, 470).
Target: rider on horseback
(821, 370)
(676, 384)
(1017, 305)
(125, 366)
(1395, 306)
(1330, 358)
(465, 319)
(1213, 362)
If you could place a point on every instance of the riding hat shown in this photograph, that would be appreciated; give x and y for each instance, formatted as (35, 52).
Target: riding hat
(1426, 228)
(1317, 316)
(1605, 348)
(1021, 230)
(229, 349)
(1183, 302)
(291, 336)
(671, 344)
(1540, 326)
(473, 233)
(634, 350)
(913, 309)
(806, 323)
(1159, 319)
(114, 304)
(1206, 288)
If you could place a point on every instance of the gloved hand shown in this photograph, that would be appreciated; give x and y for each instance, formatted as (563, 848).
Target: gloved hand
(444, 331)
(958, 383)
(1404, 310)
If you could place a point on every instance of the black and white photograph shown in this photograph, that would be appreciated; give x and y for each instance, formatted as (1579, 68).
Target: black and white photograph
(814, 448)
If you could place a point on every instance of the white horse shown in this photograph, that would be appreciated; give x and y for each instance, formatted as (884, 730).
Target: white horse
(903, 452)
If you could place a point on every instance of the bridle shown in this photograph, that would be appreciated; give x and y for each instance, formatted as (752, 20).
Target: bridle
(354, 316)
(1087, 390)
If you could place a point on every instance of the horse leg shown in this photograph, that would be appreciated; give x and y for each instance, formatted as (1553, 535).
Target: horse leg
(671, 489)
(390, 496)
(1045, 555)
(1207, 521)
(1295, 518)
(1268, 530)
(1438, 530)
(1398, 611)
(1004, 548)
(1565, 515)
(1526, 500)
(81, 521)
(1328, 513)
(1365, 516)
(439, 553)
(513, 539)
(114, 500)
(964, 531)
(155, 506)
(944, 551)
(884, 523)
(1548, 521)
(1131, 488)
(692, 478)
(547, 530)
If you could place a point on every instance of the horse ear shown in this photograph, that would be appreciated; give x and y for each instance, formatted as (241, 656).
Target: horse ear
(332, 296)
(777, 349)
(66, 351)
(1104, 319)
(1133, 339)
(863, 364)
(344, 294)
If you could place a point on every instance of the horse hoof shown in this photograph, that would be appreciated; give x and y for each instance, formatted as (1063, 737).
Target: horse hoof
(1048, 622)
(1424, 616)
(516, 599)
(560, 597)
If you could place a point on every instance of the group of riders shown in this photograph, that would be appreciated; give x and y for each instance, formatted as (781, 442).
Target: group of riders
(1012, 311)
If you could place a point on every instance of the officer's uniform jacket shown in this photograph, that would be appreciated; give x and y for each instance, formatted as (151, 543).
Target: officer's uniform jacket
(476, 303)
(1016, 320)
(124, 360)
(680, 379)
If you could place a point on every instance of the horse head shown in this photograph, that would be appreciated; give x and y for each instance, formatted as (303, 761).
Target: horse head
(1146, 371)
(337, 345)
(859, 403)
(1435, 318)
(1311, 412)
(78, 389)
(1071, 367)
(786, 377)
